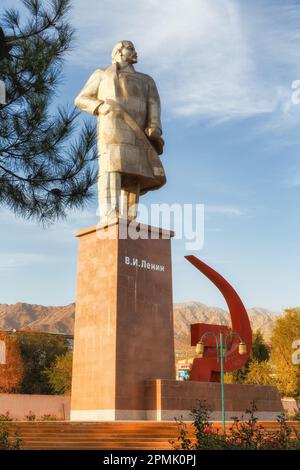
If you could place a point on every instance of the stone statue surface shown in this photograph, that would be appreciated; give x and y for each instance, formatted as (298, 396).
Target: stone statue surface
(127, 104)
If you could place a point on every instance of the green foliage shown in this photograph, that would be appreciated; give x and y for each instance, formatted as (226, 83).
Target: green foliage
(183, 442)
(237, 376)
(296, 415)
(11, 372)
(31, 416)
(46, 158)
(245, 434)
(274, 366)
(205, 438)
(60, 374)
(260, 353)
(7, 442)
(39, 351)
(286, 331)
(260, 373)
(260, 349)
(5, 417)
(49, 418)
(249, 435)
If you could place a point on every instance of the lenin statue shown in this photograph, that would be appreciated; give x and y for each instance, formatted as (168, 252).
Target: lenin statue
(129, 133)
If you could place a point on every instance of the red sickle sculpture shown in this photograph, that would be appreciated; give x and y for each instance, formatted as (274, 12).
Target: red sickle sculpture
(207, 369)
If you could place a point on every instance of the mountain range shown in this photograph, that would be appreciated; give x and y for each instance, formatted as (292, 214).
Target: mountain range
(23, 316)
(187, 313)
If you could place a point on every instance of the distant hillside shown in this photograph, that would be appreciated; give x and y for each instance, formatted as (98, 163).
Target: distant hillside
(61, 319)
(194, 312)
(23, 316)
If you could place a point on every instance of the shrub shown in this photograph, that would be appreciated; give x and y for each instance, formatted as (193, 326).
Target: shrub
(59, 375)
(296, 415)
(6, 441)
(49, 418)
(205, 436)
(31, 416)
(245, 434)
(11, 372)
(39, 351)
(5, 417)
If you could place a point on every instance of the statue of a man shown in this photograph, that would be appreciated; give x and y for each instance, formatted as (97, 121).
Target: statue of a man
(129, 132)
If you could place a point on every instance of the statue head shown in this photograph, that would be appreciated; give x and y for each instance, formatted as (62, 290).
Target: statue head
(124, 52)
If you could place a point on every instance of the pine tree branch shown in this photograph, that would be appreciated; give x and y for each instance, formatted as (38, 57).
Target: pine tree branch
(44, 171)
(51, 22)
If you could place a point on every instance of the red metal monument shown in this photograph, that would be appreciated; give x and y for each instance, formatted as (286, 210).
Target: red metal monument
(207, 368)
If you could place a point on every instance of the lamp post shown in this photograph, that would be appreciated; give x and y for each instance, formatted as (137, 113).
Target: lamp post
(222, 352)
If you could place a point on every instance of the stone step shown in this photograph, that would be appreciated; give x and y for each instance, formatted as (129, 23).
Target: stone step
(141, 435)
(150, 446)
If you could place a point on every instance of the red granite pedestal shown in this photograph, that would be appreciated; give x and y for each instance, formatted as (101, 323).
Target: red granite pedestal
(124, 321)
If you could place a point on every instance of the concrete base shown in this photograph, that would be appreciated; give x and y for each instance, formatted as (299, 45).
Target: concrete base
(167, 399)
(215, 416)
(161, 415)
(109, 415)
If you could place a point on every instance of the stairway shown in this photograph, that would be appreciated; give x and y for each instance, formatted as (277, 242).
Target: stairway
(91, 435)
(64, 435)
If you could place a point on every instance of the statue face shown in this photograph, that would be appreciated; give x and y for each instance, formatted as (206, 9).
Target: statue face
(128, 53)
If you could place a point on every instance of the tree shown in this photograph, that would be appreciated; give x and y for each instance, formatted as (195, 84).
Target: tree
(260, 372)
(260, 349)
(11, 372)
(260, 352)
(60, 374)
(286, 331)
(44, 169)
(39, 351)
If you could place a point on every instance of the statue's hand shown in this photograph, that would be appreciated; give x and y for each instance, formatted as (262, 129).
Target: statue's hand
(153, 133)
(104, 108)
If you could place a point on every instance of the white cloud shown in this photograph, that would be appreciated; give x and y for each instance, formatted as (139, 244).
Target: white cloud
(223, 209)
(225, 59)
(74, 221)
(294, 181)
(20, 260)
(56, 238)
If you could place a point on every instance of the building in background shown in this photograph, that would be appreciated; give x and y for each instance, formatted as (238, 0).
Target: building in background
(183, 368)
(2, 352)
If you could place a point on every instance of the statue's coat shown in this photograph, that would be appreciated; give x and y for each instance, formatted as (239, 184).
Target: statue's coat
(135, 106)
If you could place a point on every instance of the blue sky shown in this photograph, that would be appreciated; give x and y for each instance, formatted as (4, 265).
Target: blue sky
(224, 71)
